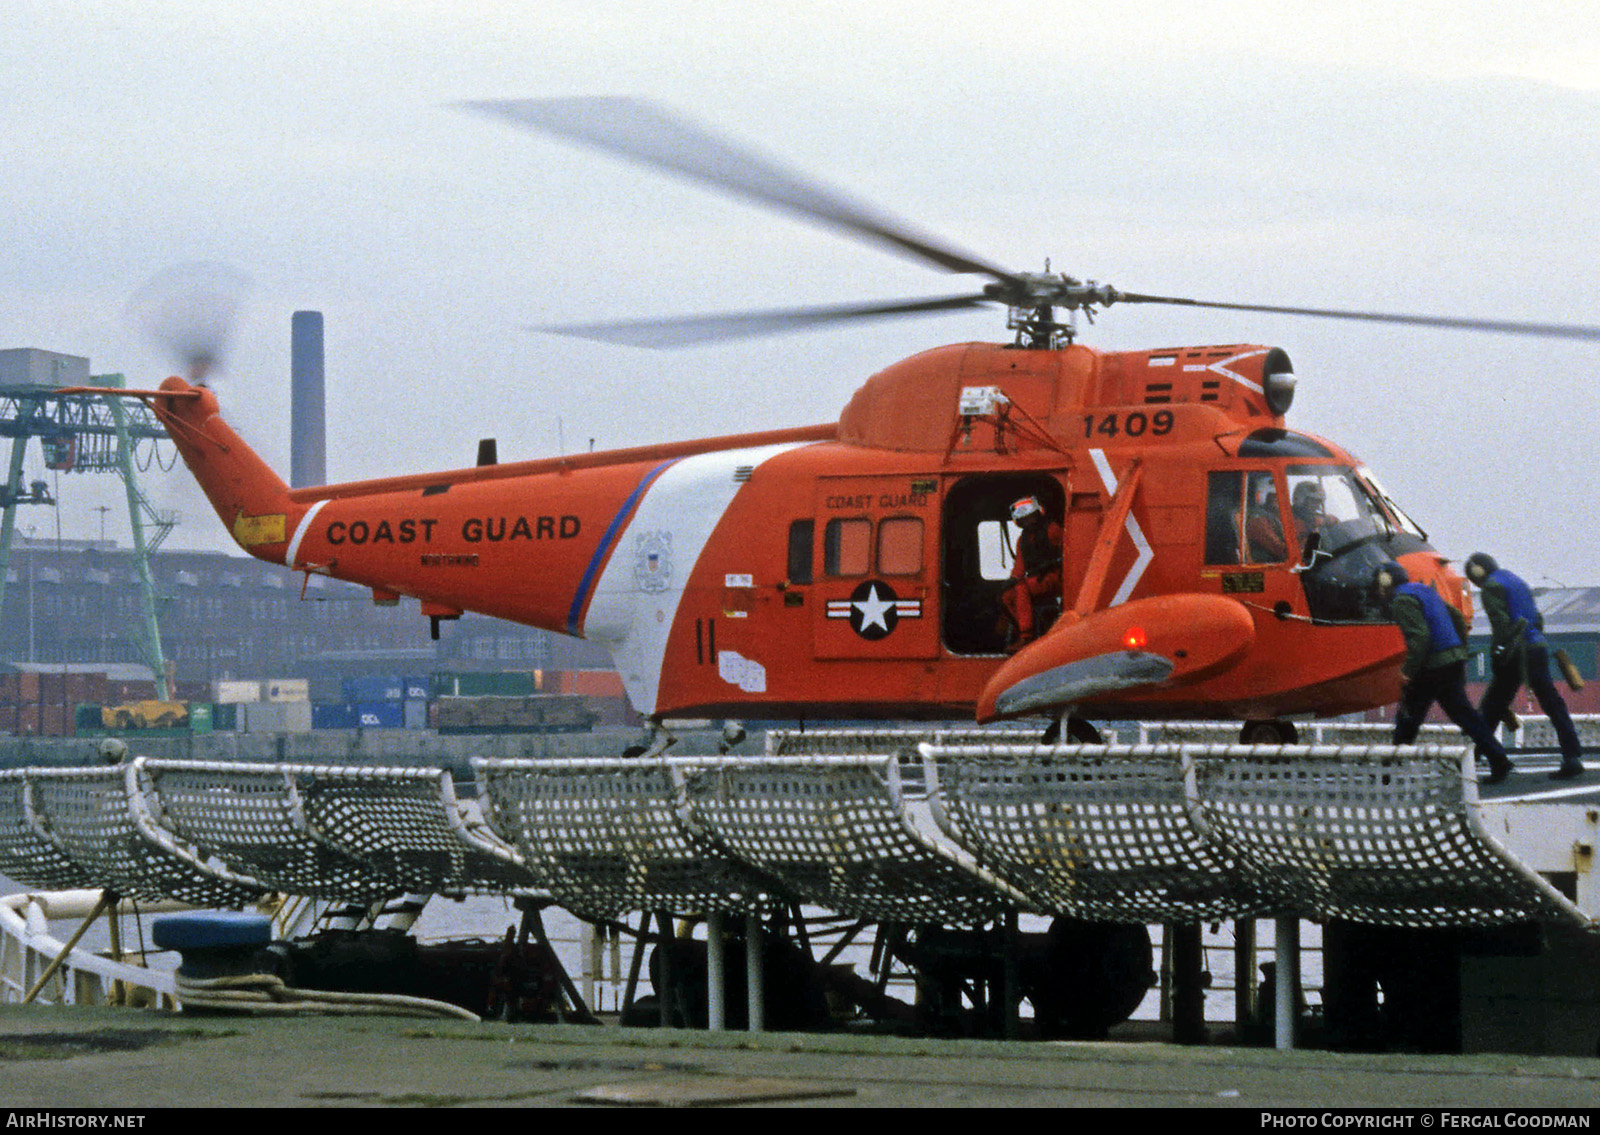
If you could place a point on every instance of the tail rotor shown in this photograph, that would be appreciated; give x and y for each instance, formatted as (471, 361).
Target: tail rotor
(189, 311)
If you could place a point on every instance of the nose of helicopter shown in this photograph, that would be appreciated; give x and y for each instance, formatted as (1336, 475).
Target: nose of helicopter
(1431, 568)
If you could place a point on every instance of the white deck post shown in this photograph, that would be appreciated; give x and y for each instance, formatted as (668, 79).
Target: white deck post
(1286, 982)
(716, 973)
(753, 977)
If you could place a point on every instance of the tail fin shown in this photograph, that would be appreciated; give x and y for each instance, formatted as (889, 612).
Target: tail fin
(251, 499)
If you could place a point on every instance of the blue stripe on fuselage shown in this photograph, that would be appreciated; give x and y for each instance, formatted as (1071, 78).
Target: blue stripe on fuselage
(592, 572)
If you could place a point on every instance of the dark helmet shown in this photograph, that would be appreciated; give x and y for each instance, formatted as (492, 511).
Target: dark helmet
(1309, 494)
(1480, 566)
(1388, 576)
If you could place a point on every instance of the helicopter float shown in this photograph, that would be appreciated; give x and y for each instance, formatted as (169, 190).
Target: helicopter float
(855, 569)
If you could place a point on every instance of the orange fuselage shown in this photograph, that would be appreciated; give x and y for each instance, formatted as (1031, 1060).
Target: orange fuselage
(855, 570)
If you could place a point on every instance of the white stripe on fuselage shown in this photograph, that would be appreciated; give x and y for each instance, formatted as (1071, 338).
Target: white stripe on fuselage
(300, 531)
(678, 513)
(1135, 533)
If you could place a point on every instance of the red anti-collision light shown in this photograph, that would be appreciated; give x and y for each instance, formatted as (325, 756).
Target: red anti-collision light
(1134, 638)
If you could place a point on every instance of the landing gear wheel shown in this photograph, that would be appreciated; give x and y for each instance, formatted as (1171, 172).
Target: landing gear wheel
(1079, 730)
(1091, 975)
(1279, 732)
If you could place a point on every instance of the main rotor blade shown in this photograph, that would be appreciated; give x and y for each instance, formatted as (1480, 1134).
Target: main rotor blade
(688, 331)
(1502, 326)
(635, 129)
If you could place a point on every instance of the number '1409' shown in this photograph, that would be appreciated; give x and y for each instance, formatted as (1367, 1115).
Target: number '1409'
(1135, 424)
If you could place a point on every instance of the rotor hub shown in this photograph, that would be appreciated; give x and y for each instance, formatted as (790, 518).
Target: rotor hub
(1032, 300)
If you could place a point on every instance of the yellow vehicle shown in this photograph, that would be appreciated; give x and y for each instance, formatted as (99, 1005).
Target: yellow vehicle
(150, 714)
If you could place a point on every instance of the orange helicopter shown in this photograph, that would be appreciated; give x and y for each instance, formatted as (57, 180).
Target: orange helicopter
(1213, 562)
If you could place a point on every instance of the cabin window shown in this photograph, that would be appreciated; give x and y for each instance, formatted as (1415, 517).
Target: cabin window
(1224, 510)
(1244, 522)
(847, 546)
(801, 533)
(997, 543)
(900, 545)
(1263, 529)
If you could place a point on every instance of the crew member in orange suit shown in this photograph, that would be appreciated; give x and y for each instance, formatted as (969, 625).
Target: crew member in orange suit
(1036, 573)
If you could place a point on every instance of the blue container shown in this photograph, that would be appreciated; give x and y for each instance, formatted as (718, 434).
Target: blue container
(333, 715)
(380, 715)
(378, 688)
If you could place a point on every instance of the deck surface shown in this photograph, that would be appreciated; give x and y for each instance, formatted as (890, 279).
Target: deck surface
(97, 1058)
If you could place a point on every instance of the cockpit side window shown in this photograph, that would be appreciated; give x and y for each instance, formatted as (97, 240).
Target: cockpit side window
(1244, 523)
(1263, 528)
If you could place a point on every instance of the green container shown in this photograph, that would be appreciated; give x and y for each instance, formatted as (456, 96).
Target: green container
(493, 684)
(200, 720)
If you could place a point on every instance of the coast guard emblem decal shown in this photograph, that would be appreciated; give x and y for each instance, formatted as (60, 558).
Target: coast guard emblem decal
(874, 610)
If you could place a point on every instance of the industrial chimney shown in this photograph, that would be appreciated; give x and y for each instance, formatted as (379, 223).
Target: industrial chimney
(308, 463)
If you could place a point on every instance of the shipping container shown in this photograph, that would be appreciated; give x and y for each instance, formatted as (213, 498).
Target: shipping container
(54, 721)
(591, 683)
(468, 684)
(374, 688)
(289, 690)
(231, 691)
(333, 715)
(119, 691)
(276, 717)
(200, 719)
(380, 715)
(41, 719)
(538, 713)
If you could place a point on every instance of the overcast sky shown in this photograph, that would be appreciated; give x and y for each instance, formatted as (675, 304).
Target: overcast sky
(1430, 157)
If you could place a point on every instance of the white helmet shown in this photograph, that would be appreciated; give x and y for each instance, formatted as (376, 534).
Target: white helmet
(1024, 508)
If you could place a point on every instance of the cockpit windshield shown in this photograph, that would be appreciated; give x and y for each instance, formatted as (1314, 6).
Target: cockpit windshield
(1346, 526)
(1332, 501)
(1405, 522)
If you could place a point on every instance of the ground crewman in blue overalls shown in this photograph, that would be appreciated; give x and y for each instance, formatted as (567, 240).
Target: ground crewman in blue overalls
(1435, 666)
(1518, 654)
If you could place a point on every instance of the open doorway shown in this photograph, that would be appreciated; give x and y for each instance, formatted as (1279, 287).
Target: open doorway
(979, 547)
